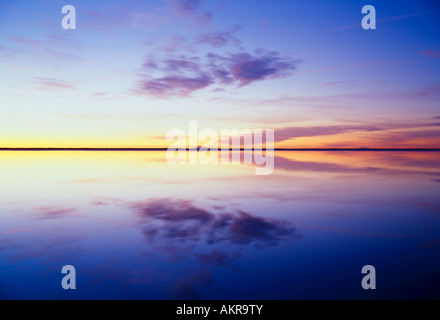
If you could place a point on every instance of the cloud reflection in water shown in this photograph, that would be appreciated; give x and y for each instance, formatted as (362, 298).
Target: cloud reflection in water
(185, 231)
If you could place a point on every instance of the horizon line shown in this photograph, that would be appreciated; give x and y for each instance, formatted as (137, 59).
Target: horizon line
(231, 149)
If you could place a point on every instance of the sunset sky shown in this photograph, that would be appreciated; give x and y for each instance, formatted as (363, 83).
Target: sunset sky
(133, 70)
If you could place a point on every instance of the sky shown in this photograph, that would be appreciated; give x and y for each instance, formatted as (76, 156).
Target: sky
(134, 70)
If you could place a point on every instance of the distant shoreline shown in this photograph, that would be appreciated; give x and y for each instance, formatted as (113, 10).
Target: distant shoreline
(282, 149)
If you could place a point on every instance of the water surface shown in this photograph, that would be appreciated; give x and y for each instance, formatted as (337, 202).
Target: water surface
(136, 227)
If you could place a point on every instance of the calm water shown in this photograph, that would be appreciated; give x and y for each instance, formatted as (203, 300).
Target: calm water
(136, 227)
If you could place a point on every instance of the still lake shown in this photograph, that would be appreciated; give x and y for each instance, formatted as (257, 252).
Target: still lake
(136, 227)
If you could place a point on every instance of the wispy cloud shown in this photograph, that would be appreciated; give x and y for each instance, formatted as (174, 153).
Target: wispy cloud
(175, 44)
(53, 212)
(376, 63)
(52, 84)
(429, 91)
(104, 21)
(298, 132)
(313, 131)
(50, 52)
(218, 39)
(24, 41)
(430, 137)
(431, 53)
(339, 83)
(343, 99)
(147, 19)
(191, 9)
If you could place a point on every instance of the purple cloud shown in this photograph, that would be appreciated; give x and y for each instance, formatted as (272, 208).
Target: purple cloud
(177, 65)
(245, 68)
(175, 77)
(183, 75)
(192, 10)
(218, 39)
(175, 86)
